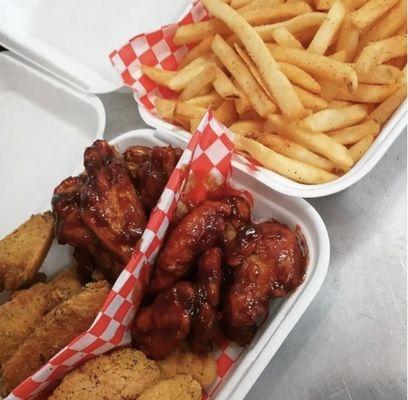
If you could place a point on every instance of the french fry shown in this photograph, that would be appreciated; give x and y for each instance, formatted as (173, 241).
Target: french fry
(332, 119)
(247, 126)
(324, 4)
(356, 4)
(379, 52)
(355, 133)
(317, 142)
(380, 75)
(385, 27)
(299, 77)
(402, 30)
(329, 89)
(269, 14)
(348, 38)
(165, 108)
(199, 50)
(285, 166)
(242, 104)
(293, 25)
(284, 38)
(224, 86)
(360, 148)
(260, 3)
(280, 87)
(339, 56)
(339, 104)
(183, 76)
(328, 28)
(310, 100)
(213, 99)
(194, 122)
(292, 150)
(383, 112)
(192, 33)
(226, 113)
(366, 93)
(189, 111)
(160, 76)
(238, 69)
(317, 64)
(240, 3)
(195, 86)
(371, 11)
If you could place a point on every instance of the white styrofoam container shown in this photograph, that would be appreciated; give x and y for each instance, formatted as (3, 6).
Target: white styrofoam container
(384, 140)
(284, 313)
(45, 126)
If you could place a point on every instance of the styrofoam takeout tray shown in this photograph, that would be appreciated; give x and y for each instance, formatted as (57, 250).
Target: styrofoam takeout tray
(45, 126)
(284, 313)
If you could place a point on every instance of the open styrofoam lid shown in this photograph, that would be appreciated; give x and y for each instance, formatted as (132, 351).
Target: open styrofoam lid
(72, 39)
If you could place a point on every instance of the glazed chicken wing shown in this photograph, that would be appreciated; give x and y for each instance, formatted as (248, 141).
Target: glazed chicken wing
(99, 155)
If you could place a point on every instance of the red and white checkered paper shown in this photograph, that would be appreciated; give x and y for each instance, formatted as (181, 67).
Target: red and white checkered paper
(157, 49)
(207, 158)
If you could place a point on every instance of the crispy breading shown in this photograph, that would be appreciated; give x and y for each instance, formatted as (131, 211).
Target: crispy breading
(180, 387)
(23, 251)
(120, 375)
(61, 325)
(20, 315)
(201, 367)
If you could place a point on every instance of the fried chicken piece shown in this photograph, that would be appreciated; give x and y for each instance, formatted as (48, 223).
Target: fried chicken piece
(150, 169)
(199, 230)
(266, 261)
(158, 329)
(121, 375)
(209, 277)
(23, 251)
(99, 155)
(61, 325)
(202, 368)
(240, 335)
(111, 209)
(181, 387)
(20, 315)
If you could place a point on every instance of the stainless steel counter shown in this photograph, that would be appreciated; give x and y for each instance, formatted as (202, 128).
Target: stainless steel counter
(350, 344)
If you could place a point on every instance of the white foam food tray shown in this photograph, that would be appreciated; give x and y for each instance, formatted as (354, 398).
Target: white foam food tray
(44, 126)
(284, 313)
(384, 140)
(72, 39)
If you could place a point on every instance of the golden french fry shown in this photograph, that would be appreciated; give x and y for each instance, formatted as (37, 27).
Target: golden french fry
(355, 133)
(339, 104)
(293, 25)
(370, 11)
(285, 166)
(328, 28)
(189, 111)
(380, 75)
(299, 77)
(383, 112)
(339, 56)
(356, 4)
(237, 68)
(247, 126)
(348, 38)
(242, 104)
(386, 26)
(277, 12)
(329, 89)
(213, 99)
(332, 119)
(165, 108)
(317, 142)
(226, 113)
(260, 3)
(292, 150)
(316, 64)
(199, 50)
(280, 87)
(360, 148)
(192, 33)
(240, 3)
(194, 122)
(160, 76)
(310, 100)
(323, 4)
(284, 38)
(224, 86)
(195, 86)
(366, 93)
(402, 30)
(379, 52)
(183, 76)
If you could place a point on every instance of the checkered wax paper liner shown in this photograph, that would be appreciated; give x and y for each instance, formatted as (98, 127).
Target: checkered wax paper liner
(206, 158)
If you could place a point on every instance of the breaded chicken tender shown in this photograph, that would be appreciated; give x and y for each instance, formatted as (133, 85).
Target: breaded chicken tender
(120, 375)
(23, 251)
(181, 387)
(201, 367)
(20, 315)
(56, 330)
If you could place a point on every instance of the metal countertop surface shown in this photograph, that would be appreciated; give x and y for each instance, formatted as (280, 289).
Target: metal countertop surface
(350, 344)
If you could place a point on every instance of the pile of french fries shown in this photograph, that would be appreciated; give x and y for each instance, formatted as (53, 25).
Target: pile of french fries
(305, 85)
